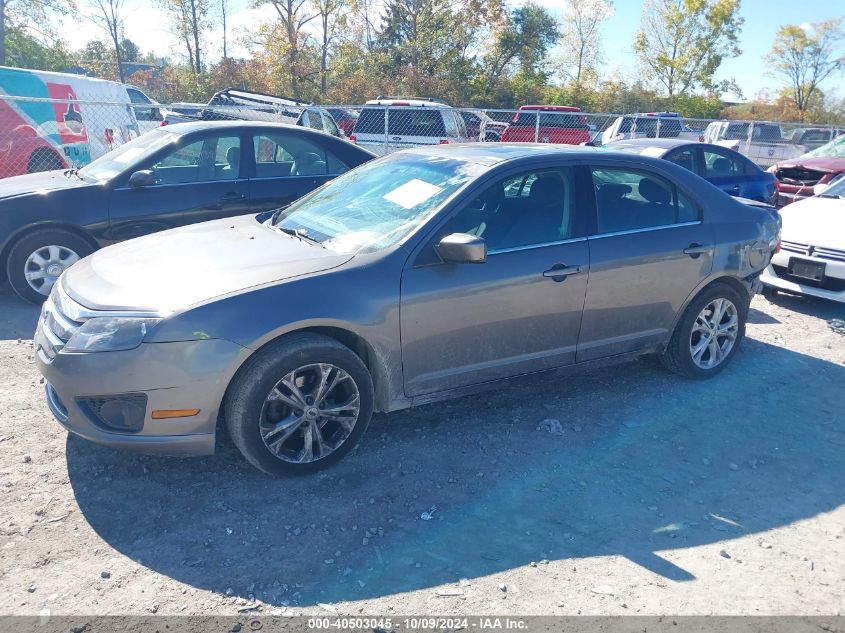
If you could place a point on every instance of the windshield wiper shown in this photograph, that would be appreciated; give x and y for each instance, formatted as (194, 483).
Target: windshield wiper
(301, 234)
(277, 213)
(73, 171)
(830, 195)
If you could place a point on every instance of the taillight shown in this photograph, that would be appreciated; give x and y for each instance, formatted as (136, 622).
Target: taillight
(163, 122)
(777, 248)
(701, 138)
(444, 141)
(352, 138)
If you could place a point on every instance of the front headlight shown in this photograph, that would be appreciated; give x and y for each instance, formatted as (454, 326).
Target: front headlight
(109, 334)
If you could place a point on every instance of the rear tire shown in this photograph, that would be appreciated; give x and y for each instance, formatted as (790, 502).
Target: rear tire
(264, 417)
(708, 334)
(37, 260)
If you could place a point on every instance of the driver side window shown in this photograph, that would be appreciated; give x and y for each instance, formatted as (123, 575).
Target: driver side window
(530, 209)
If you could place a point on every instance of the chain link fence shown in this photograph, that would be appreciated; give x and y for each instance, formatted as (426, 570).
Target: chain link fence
(39, 134)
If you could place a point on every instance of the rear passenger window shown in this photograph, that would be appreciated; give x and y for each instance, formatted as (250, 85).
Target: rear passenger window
(282, 155)
(628, 200)
(719, 165)
(370, 121)
(685, 159)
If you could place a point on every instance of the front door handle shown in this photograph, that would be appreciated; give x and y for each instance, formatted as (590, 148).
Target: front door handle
(560, 272)
(232, 197)
(733, 190)
(695, 249)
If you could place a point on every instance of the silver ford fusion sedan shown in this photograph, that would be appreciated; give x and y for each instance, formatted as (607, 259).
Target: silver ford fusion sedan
(423, 275)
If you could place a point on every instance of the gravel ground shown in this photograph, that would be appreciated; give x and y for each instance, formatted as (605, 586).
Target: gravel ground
(653, 495)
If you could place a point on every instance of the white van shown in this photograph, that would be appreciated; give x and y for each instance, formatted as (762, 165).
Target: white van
(55, 120)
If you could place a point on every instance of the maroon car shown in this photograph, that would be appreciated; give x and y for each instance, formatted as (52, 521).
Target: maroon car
(796, 177)
(345, 119)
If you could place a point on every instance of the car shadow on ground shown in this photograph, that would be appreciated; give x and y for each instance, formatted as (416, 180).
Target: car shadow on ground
(17, 317)
(647, 462)
(812, 306)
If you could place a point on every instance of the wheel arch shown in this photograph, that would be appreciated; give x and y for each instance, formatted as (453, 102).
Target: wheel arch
(353, 341)
(727, 280)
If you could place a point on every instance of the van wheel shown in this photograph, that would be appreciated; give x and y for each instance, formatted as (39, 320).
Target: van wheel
(708, 334)
(38, 259)
(43, 160)
(299, 405)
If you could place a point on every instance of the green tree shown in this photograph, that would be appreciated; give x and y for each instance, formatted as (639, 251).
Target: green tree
(29, 18)
(805, 58)
(580, 40)
(26, 51)
(682, 43)
(291, 38)
(189, 20)
(521, 44)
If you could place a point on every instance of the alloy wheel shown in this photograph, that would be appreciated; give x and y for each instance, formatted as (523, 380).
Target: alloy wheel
(44, 266)
(714, 333)
(309, 413)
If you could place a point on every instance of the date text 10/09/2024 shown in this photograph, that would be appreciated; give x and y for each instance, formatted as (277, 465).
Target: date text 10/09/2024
(418, 623)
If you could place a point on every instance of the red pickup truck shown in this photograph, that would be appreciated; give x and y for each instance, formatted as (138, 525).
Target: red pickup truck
(557, 124)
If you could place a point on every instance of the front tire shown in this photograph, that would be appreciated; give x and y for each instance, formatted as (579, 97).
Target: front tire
(299, 405)
(709, 333)
(37, 260)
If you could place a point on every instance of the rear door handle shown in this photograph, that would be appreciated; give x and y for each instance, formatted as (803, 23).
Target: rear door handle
(695, 249)
(560, 272)
(232, 197)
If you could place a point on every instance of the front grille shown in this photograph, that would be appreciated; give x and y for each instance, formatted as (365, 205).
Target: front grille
(829, 283)
(820, 252)
(56, 324)
(799, 175)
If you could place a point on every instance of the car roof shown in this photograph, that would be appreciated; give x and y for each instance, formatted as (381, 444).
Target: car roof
(196, 126)
(551, 108)
(492, 153)
(414, 103)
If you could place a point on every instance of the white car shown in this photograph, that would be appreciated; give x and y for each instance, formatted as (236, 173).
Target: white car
(647, 125)
(811, 260)
(761, 141)
(387, 124)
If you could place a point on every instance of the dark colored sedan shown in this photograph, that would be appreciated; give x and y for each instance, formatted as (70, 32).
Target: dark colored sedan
(416, 277)
(176, 175)
(730, 171)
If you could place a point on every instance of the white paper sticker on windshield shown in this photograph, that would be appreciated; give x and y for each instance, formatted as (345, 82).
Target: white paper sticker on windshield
(412, 193)
(654, 152)
(129, 155)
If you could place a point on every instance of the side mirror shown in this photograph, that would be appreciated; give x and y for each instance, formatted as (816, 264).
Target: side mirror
(462, 248)
(143, 178)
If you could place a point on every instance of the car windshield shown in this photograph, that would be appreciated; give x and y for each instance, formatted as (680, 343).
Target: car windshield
(119, 159)
(835, 148)
(376, 205)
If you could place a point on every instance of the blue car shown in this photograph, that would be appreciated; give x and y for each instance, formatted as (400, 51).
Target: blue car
(730, 171)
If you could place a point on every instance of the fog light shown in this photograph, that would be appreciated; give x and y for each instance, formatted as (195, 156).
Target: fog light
(123, 412)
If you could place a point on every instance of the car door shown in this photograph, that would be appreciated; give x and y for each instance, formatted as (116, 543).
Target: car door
(197, 179)
(520, 310)
(724, 170)
(285, 165)
(648, 250)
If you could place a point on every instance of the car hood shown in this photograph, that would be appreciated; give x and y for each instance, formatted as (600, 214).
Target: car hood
(815, 221)
(168, 271)
(38, 184)
(818, 163)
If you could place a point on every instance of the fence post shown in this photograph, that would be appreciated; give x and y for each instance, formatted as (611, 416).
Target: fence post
(386, 146)
(657, 133)
(537, 126)
(748, 140)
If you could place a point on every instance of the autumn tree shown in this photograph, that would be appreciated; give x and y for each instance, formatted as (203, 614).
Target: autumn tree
(580, 39)
(332, 18)
(293, 16)
(682, 43)
(189, 20)
(804, 58)
(109, 16)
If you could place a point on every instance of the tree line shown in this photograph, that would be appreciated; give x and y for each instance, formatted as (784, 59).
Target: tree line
(480, 53)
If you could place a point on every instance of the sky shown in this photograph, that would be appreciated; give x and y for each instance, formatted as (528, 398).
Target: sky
(146, 25)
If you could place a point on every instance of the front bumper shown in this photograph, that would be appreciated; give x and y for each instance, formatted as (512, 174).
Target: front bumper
(833, 288)
(178, 375)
